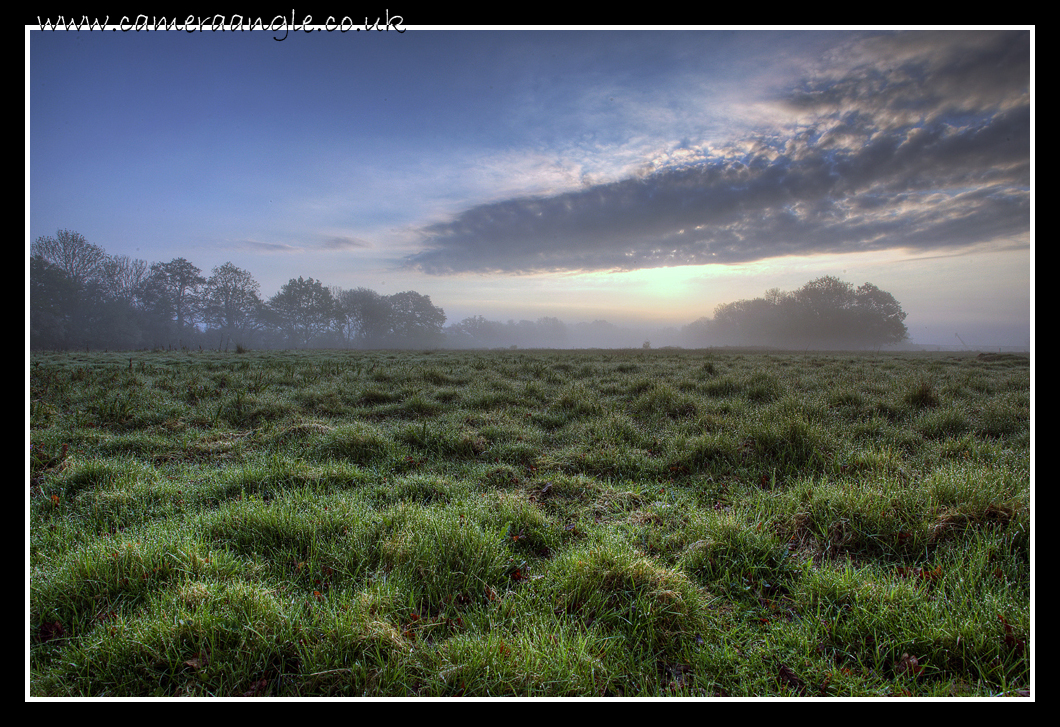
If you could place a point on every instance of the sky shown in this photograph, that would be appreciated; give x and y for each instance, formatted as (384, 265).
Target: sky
(636, 176)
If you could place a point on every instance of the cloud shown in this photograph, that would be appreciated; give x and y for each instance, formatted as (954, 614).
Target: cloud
(268, 247)
(909, 140)
(345, 243)
(902, 78)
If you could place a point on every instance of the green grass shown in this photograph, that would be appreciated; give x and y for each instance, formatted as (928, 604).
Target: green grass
(532, 523)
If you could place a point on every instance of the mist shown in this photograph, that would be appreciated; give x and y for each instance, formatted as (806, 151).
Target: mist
(81, 297)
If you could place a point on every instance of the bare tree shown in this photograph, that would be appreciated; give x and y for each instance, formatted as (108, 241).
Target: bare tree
(123, 277)
(72, 254)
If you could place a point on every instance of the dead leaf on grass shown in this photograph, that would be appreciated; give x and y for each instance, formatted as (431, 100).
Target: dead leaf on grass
(51, 630)
(791, 679)
(197, 662)
(908, 665)
(1010, 638)
(257, 688)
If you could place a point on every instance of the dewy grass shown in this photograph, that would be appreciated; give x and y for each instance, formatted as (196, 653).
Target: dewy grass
(529, 523)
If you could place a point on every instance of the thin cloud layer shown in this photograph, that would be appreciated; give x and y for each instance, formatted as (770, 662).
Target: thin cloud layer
(345, 242)
(917, 140)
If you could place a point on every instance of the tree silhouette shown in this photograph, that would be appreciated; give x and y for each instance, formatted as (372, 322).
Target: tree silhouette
(53, 296)
(71, 253)
(476, 332)
(415, 320)
(304, 308)
(366, 316)
(880, 317)
(123, 278)
(230, 300)
(172, 292)
(824, 313)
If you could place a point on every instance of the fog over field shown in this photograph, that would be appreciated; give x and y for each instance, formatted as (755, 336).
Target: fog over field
(641, 178)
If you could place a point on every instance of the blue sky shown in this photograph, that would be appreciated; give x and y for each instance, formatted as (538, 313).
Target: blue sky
(636, 176)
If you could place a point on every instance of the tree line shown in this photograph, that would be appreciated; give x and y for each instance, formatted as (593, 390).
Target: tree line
(81, 297)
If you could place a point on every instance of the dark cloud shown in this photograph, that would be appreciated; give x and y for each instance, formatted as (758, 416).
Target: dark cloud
(914, 140)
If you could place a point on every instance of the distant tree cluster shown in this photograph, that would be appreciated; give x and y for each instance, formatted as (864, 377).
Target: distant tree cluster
(477, 332)
(824, 313)
(81, 297)
(548, 332)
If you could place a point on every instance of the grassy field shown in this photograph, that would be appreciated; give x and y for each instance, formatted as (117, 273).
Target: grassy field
(530, 523)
